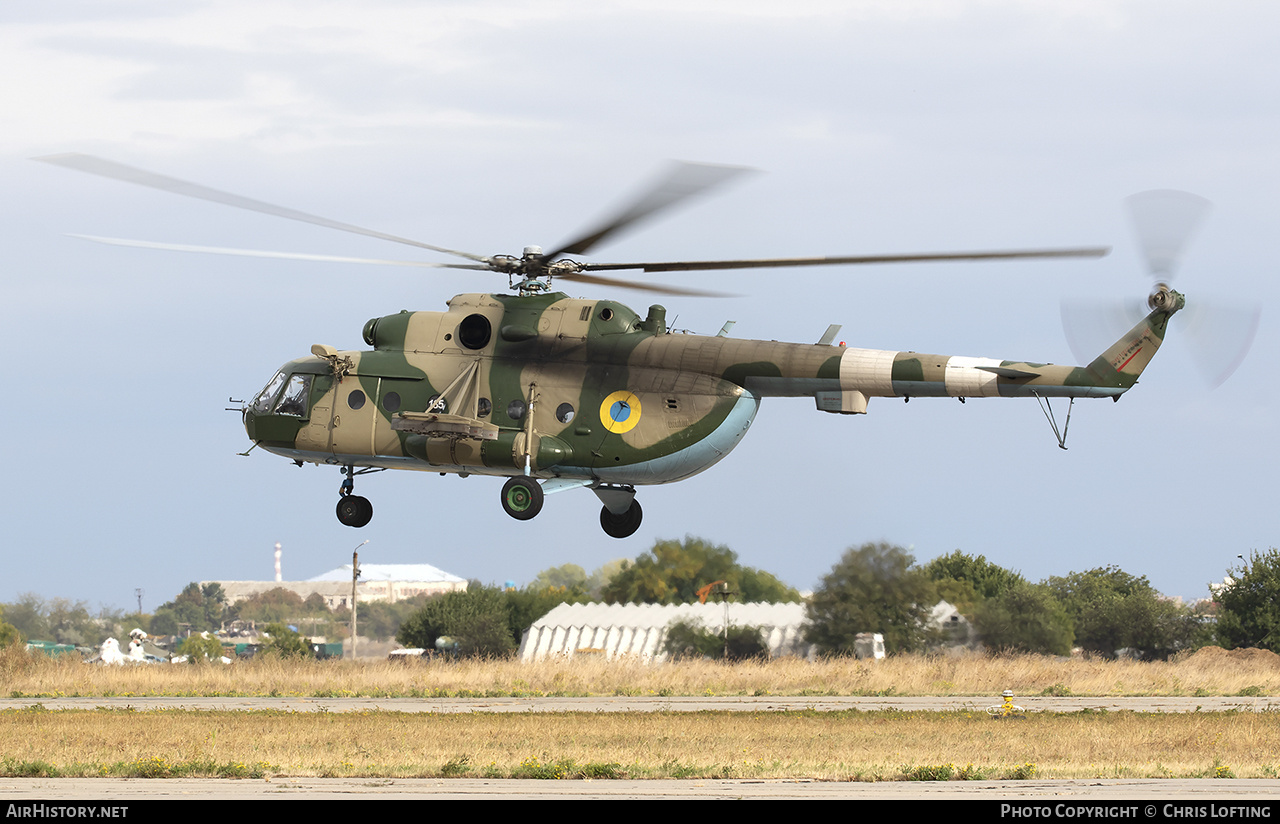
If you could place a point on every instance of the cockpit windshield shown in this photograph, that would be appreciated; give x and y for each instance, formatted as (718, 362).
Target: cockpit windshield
(266, 398)
(293, 401)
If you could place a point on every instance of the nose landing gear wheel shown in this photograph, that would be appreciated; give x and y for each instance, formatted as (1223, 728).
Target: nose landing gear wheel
(624, 525)
(522, 497)
(354, 510)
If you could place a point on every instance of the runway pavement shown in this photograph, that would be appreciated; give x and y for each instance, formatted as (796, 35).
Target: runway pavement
(655, 704)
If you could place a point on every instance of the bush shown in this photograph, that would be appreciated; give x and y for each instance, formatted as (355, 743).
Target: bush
(199, 648)
(478, 618)
(686, 639)
(286, 642)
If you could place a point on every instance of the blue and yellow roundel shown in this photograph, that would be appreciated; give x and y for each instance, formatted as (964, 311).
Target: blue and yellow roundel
(620, 412)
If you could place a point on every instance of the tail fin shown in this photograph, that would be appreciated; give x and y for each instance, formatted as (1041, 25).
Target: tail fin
(1124, 361)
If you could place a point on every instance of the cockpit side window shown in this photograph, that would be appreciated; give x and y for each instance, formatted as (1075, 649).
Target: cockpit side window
(294, 400)
(263, 402)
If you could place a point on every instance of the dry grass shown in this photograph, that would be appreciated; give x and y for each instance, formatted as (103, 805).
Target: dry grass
(830, 745)
(1211, 671)
(868, 746)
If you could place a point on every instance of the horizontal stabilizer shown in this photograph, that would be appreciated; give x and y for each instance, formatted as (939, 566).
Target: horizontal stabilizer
(1006, 372)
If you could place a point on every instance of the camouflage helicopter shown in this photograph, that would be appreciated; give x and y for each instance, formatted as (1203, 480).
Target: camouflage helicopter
(556, 393)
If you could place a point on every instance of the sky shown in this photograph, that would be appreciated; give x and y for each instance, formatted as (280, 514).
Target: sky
(488, 125)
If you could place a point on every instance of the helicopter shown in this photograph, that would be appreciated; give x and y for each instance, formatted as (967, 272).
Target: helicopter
(553, 392)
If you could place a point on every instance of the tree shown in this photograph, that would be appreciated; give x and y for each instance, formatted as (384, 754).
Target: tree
(524, 606)
(285, 642)
(601, 576)
(199, 607)
(1024, 617)
(383, 619)
(873, 588)
(59, 620)
(28, 617)
(8, 633)
(987, 579)
(478, 618)
(273, 606)
(62, 621)
(164, 622)
(565, 576)
(574, 579)
(135, 620)
(672, 572)
(1113, 610)
(1248, 612)
(1006, 610)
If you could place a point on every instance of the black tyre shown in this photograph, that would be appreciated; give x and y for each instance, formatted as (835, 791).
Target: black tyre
(522, 497)
(624, 525)
(354, 510)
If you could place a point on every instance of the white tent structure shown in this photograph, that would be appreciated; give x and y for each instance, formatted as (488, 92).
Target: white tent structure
(614, 630)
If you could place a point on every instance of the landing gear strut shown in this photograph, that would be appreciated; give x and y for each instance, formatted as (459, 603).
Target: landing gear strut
(624, 525)
(352, 510)
(621, 514)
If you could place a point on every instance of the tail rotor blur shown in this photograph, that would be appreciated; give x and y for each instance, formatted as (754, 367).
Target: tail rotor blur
(1165, 221)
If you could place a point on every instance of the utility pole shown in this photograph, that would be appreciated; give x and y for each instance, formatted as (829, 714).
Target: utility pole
(355, 577)
(724, 594)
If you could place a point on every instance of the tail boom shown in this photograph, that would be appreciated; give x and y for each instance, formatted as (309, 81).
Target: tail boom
(875, 373)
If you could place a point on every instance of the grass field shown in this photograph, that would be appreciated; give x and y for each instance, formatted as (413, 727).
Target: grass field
(1210, 671)
(870, 746)
(849, 745)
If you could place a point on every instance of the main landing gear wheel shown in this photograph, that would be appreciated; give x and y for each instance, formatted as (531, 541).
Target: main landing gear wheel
(522, 497)
(354, 510)
(624, 525)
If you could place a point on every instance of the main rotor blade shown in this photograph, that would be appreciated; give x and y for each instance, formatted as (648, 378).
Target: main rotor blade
(681, 181)
(260, 253)
(643, 287)
(681, 266)
(129, 174)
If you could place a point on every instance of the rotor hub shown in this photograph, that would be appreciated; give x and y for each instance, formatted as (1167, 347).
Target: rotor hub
(1165, 299)
(532, 271)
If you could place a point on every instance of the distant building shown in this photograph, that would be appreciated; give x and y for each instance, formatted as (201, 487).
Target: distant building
(378, 582)
(615, 630)
(955, 628)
